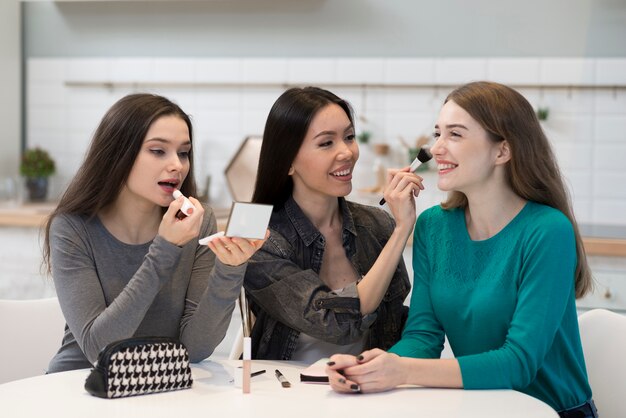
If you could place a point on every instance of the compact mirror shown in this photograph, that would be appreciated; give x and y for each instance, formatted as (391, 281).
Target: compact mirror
(248, 220)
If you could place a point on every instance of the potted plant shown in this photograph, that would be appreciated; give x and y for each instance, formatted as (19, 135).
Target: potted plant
(364, 137)
(543, 113)
(37, 166)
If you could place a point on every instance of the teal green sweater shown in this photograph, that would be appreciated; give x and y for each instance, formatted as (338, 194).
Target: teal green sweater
(506, 304)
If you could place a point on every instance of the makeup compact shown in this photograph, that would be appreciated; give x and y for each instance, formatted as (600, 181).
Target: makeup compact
(246, 220)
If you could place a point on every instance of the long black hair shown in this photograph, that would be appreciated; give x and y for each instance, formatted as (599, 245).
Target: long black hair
(285, 129)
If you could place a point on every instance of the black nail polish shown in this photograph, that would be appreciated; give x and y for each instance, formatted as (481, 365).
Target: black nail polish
(330, 363)
(342, 380)
(355, 387)
(360, 357)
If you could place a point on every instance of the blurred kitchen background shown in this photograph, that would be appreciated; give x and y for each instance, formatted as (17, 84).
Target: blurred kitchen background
(64, 63)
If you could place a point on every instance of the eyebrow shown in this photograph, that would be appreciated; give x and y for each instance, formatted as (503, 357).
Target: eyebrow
(166, 141)
(323, 133)
(454, 125)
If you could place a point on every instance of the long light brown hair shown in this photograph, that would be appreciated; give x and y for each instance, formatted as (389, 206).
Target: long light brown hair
(532, 172)
(111, 156)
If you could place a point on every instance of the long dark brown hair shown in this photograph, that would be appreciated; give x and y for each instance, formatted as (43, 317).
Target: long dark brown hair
(111, 156)
(532, 172)
(285, 129)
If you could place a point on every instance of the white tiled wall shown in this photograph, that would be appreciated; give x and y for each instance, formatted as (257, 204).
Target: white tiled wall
(586, 125)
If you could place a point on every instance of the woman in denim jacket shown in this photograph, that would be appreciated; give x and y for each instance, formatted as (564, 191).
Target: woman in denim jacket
(330, 278)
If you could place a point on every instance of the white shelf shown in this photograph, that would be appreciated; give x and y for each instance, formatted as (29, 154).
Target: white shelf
(170, 84)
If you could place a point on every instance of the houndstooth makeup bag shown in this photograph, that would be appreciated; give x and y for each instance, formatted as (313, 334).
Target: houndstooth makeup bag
(138, 366)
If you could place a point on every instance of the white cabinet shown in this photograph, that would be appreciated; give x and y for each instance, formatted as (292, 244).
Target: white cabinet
(20, 257)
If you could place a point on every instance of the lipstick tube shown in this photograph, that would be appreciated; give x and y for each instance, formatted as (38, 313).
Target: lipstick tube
(247, 363)
(184, 210)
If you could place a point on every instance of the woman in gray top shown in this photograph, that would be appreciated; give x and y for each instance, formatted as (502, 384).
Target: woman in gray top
(330, 276)
(124, 260)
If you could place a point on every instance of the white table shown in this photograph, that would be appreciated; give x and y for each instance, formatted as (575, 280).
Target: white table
(214, 396)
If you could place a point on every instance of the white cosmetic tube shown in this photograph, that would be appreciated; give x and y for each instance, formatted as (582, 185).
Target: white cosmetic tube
(186, 203)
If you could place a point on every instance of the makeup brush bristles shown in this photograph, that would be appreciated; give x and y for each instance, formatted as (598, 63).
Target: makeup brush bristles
(424, 155)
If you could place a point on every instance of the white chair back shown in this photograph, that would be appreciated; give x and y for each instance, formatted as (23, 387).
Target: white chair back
(603, 335)
(236, 350)
(31, 332)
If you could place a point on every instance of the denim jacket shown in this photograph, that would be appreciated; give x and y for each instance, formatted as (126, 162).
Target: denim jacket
(288, 297)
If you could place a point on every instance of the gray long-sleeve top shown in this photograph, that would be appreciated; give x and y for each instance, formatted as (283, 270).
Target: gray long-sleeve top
(109, 290)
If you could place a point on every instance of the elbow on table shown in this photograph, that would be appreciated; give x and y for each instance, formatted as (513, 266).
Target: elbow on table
(91, 351)
(199, 357)
(498, 369)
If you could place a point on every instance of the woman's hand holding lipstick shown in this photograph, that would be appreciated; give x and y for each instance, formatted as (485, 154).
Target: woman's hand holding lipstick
(180, 231)
(186, 209)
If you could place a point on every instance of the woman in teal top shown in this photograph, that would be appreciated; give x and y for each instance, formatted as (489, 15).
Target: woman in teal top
(497, 266)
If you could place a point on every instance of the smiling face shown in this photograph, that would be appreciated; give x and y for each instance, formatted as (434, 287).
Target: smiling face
(162, 163)
(324, 164)
(466, 157)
